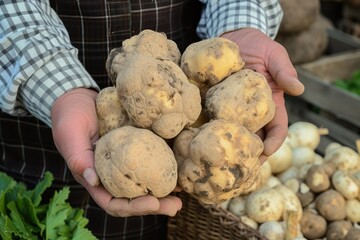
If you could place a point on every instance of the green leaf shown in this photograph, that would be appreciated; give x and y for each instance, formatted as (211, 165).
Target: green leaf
(12, 193)
(340, 83)
(62, 238)
(24, 216)
(57, 212)
(352, 84)
(6, 182)
(19, 224)
(29, 213)
(77, 219)
(77, 223)
(3, 208)
(83, 233)
(6, 229)
(45, 183)
(64, 231)
(356, 75)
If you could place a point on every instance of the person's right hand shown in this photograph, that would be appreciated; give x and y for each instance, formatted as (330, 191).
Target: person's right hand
(75, 130)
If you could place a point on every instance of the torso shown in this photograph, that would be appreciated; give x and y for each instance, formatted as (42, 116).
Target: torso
(95, 27)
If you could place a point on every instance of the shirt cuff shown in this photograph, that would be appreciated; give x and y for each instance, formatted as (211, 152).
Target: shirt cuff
(63, 72)
(219, 17)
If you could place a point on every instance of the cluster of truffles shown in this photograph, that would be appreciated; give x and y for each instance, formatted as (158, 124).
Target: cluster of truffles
(202, 104)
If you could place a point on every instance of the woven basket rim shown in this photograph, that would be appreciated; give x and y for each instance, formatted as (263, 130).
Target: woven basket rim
(190, 222)
(227, 218)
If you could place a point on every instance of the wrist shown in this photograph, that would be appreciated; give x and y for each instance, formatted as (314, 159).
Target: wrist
(241, 33)
(79, 98)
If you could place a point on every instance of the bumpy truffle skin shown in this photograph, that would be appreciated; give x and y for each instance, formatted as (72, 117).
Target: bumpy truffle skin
(217, 161)
(157, 95)
(244, 97)
(152, 43)
(133, 162)
(147, 42)
(210, 61)
(110, 112)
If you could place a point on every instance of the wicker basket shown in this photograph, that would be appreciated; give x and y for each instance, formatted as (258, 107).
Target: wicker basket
(207, 222)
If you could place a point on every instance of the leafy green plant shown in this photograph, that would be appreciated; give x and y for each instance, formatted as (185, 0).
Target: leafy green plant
(352, 84)
(23, 214)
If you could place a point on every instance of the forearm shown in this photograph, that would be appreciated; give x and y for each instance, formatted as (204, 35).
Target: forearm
(38, 62)
(223, 16)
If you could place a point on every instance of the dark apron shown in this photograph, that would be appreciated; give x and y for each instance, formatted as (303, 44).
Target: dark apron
(26, 146)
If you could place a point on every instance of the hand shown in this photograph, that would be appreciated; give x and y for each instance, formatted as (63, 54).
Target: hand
(75, 130)
(266, 56)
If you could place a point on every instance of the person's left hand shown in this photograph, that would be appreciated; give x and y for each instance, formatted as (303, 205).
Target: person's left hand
(266, 56)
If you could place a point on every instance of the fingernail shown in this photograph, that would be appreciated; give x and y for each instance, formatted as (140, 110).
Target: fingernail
(300, 85)
(90, 177)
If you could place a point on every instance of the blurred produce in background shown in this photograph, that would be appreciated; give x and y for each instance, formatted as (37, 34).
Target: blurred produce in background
(304, 31)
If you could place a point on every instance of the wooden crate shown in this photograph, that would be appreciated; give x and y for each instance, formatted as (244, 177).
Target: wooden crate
(340, 42)
(325, 104)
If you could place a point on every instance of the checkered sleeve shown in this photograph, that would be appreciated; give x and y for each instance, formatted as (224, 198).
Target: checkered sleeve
(223, 16)
(37, 61)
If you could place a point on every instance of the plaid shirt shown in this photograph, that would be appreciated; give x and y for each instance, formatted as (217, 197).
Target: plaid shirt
(50, 47)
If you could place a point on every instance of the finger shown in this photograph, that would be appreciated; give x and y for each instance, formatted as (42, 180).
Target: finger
(262, 158)
(261, 133)
(144, 205)
(123, 207)
(291, 85)
(91, 177)
(78, 149)
(74, 139)
(283, 71)
(177, 189)
(104, 199)
(169, 205)
(276, 131)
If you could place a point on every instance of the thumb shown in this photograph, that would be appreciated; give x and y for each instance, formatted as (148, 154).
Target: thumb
(76, 149)
(91, 177)
(290, 84)
(283, 71)
(74, 128)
